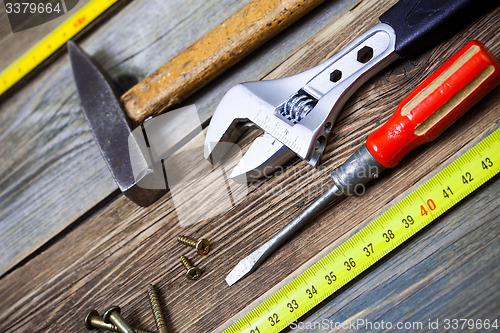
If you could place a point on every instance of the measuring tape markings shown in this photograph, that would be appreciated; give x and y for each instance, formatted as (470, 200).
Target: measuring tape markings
(51, 42)
(375, 240)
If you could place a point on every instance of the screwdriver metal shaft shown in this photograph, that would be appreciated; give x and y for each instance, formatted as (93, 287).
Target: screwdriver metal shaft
(251, 262)
(358, 170)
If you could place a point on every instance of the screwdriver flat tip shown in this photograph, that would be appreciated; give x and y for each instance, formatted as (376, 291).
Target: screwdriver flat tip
(250, 263)
(236, 274)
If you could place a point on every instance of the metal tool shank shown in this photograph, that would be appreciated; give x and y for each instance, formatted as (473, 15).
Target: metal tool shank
(357, 171)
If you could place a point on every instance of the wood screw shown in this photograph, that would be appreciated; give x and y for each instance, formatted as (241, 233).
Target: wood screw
(94, 322)
(113, 316)
(193, 273)
(154, 300)
(202, 246)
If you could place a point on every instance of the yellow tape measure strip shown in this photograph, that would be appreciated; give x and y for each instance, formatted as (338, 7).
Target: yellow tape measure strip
(50, 43)
(375, 240)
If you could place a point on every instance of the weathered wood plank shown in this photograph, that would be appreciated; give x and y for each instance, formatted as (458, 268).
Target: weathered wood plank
(47, 148)
(112, 256)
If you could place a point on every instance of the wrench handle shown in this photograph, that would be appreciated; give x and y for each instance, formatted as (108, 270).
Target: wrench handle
(436, 103)
(422, 24)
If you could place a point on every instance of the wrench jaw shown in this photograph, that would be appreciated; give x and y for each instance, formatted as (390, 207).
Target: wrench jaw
(299, 111)
(265, 156)
(238, 106)
(244, 103)
(226, 123)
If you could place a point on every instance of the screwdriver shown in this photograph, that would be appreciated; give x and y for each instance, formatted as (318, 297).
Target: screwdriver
(422, 116)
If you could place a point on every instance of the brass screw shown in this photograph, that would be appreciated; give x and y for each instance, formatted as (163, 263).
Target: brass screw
(94, 322)
(193, 273)
(154, 300)
(202, 245)
(113, 316)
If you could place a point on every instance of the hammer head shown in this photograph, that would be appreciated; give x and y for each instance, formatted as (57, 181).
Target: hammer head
(126, 152)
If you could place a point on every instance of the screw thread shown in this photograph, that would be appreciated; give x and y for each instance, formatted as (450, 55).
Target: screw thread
(154, 300)
(113, 328)
(138, 330)
(187, 241)
(116, 329)
(107, 326)
(185, 261)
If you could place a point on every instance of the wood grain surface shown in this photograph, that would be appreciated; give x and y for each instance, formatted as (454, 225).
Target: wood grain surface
(51, 171)
(111, 255)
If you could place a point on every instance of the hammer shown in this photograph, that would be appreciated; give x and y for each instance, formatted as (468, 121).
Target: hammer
(111, 116)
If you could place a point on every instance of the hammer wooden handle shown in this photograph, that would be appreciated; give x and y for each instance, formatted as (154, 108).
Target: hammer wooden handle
(212, 54)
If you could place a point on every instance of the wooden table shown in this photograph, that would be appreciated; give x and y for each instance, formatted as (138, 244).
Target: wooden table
(70, 242)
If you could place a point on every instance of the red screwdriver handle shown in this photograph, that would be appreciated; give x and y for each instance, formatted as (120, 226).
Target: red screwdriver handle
(436, 103)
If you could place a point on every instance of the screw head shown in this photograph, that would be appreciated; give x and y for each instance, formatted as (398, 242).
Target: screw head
(193, 273)
(109, 312)
(88, 319)
(203, 246)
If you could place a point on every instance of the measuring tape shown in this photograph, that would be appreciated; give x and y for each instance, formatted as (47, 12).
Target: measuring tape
(377, 239)
(50, 43)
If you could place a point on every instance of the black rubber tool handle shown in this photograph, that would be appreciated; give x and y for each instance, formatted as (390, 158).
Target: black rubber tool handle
(421, 24)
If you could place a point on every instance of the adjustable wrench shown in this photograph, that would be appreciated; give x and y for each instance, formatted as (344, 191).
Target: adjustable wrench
(297, 113)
